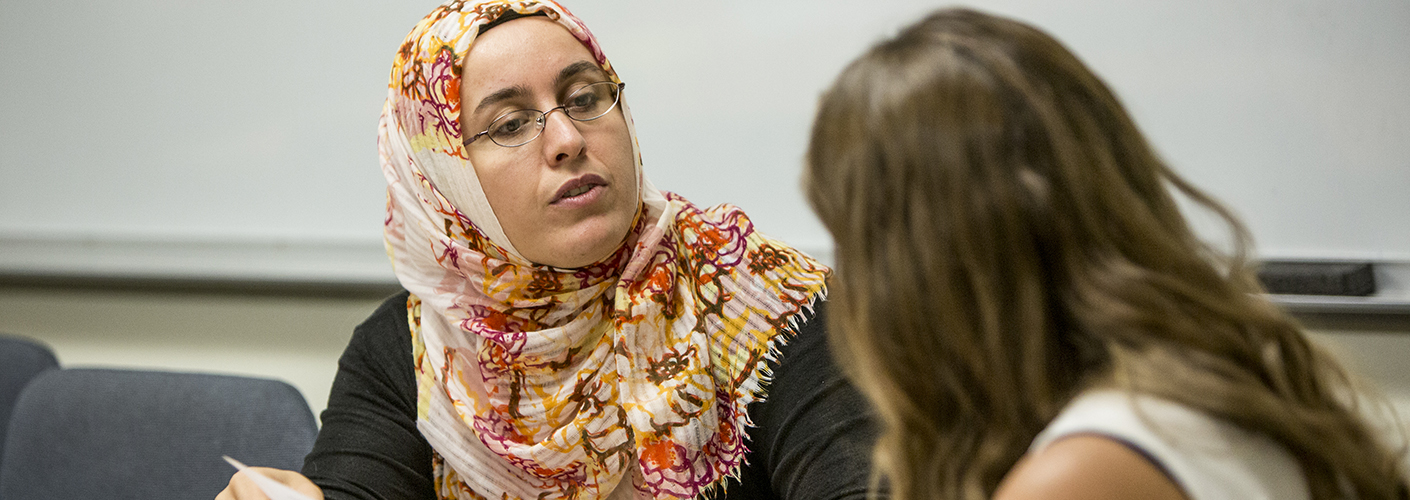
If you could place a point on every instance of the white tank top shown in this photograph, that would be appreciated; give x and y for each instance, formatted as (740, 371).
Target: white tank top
(1208, 458)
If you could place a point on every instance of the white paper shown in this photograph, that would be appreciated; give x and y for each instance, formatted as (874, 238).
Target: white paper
(271, 488)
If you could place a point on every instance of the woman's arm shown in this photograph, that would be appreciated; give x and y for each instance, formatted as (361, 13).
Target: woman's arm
(369, 446)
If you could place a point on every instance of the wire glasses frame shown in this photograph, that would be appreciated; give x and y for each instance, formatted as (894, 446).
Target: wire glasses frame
(521, 126)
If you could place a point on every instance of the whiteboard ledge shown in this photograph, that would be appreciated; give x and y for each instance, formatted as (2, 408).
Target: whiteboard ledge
(329, 262)
(1320, 304)
(1392, 295)
(361, 267)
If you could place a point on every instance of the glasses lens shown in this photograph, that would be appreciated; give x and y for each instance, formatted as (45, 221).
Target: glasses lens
(515, 128)
(592, 101)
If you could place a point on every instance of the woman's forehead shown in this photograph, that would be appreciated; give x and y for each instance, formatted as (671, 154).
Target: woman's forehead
(530, 45)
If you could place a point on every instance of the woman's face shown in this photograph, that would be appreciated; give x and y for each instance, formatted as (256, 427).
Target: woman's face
(567, 198)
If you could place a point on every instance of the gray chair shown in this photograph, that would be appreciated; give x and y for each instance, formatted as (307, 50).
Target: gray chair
(21, 359)
(130, 434)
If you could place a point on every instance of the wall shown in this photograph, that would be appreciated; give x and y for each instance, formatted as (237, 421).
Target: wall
(293, 338)
(244, 132)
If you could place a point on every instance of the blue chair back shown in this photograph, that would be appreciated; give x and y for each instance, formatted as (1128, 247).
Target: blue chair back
(120, 434)
(21, 359)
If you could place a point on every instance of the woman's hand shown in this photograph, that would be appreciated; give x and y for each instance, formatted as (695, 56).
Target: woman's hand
(242, 488)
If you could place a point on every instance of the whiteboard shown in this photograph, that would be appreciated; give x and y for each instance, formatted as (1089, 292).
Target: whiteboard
(242, 134)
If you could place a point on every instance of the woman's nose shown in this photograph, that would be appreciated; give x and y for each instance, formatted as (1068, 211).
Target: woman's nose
(562, 141)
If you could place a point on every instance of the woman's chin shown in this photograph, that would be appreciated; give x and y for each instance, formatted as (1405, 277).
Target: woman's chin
(589, 243)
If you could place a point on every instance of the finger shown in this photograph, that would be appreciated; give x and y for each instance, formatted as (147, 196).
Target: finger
(293, 480)
(241, 488)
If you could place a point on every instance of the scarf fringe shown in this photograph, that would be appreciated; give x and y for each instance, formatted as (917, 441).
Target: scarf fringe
(756, 385)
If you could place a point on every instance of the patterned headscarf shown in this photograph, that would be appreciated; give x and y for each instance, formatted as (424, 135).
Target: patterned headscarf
(538, 382)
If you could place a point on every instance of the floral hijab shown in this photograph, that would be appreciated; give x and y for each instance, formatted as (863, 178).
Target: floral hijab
(628, 378)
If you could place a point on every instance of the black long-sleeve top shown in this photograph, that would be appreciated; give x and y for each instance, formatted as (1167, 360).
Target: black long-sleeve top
(812, 436)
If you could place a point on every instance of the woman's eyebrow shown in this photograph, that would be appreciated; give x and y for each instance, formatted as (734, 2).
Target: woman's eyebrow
(572, 70)
(503, 94)
(517, 91)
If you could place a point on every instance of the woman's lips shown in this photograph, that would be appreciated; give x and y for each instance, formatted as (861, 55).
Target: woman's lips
(580, 191)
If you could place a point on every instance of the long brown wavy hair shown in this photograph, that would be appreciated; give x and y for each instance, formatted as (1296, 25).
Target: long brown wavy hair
(1005, 238)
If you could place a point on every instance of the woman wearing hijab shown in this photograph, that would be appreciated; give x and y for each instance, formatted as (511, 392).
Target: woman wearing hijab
(1020, 297)
(569, 331)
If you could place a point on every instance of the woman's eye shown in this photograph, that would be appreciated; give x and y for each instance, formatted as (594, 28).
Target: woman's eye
(510, 125)
(583, 100)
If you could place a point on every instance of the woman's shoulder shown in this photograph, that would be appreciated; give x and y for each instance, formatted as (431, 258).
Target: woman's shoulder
(1087, 466)
(387, 320)
(1131, 435)
(813, 431)
(810, 323)
(383, 339)
(803, 354)
(391, 313)
(378, 358)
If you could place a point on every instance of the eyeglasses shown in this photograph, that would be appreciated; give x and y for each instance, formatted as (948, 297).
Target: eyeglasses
(519, 127)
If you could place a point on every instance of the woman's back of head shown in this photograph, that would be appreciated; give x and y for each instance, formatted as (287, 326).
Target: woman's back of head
(1005, 238)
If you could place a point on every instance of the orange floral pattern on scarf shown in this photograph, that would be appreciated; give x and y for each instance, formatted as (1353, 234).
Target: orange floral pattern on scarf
(655, 384)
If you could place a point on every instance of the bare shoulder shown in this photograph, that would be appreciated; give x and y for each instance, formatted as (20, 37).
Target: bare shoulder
(1087, 466)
